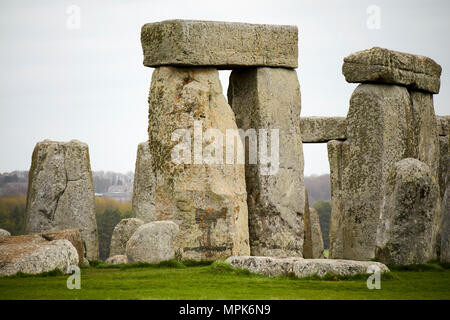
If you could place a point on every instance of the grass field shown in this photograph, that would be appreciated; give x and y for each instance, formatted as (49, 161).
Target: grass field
(203, 281)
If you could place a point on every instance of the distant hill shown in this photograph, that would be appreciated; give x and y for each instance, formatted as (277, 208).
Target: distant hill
(120, 185)
(108, 184)
(318, 187)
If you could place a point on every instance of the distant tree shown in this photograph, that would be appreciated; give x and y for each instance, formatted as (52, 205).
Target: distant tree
(324, 210)
(318, 187)
(12, 214)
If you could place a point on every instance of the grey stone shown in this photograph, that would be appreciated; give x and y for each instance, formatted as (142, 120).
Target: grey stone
(323, 129)
(444, 163)
(407, 226)
(391, 67)
(321, 267)
(61, 192)
(117, 259)
(207, 201)
(443, 123)
(153, 242)
(445, 213)
(33, 254)
(121, 234)
(143, 202)
(378, 136)
(338, 154)
(270, 266)
(313, 242)
(72, 235)
(4, 233)
(219, 44)
(269, 98)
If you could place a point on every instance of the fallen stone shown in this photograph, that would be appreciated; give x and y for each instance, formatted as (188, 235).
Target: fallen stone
(61, 192)
(73, 235)
(153, 242)
(269, 99)
(33, 254)
(117, 259)
(269, 266)
(391, 67)
(219, 44)
(143, 204)
(198, 190)
(407, 228)
(378, 135)
(4, 233)
(322, 129)
(121, 234)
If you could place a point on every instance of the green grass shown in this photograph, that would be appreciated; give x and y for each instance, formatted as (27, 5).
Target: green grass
(203, 280)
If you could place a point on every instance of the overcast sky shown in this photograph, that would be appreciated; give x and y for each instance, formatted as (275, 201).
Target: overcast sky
(90, 84)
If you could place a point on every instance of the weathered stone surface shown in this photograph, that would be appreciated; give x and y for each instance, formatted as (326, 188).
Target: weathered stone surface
(313, 242)
(378, 135)
(321, 267)
(445, 213)
(269, 98)
(153, 242)
(443, 123)
(269, 266)
(338, 154)
(407, 222)
(426, 133)
(117, 259)
(219, 44)
(323, 129)
(444, 163)
(33, 254)
(144, 185)
(4, 233)
(386, 66)
(73, 235)
(121, 234)
(61, 192)
(207, 201)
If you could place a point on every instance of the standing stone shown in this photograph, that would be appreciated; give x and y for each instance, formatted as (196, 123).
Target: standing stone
(405, 234)
(445, 210)
(4, 233)
(269, 99)
(196, 190)
(313, 243)
(338, 153)
(153, 242)
(61, 192)
(143, 203)
(378, 137)
(119, 259)
(387, 66)
(219, 44)
(444, 163)
(121, 234)
(426, 132)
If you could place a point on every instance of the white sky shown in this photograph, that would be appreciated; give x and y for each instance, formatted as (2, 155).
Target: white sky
(90, 84)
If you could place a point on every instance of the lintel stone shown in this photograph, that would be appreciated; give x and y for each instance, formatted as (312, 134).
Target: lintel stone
(223, 45)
